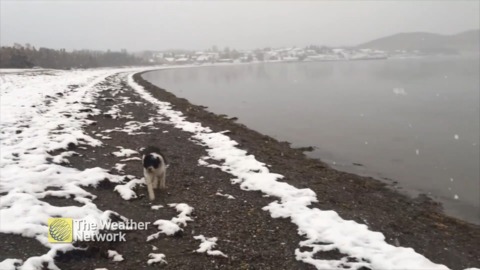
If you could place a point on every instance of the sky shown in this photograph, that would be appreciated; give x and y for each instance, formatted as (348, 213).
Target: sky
(195, 25)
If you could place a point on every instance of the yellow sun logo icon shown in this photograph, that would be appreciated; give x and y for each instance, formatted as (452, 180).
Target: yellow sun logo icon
(60, 230)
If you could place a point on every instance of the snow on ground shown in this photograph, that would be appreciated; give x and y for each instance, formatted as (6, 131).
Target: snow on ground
(324, 230)
(228, 196)
(119, 167)
(185, 212)
(132, 127)
(130, 159)
(46, 112)
(126, 190)
(203, 161)
(123, 152)
(166, 227)
(115, 256)
(4, 71)
(156, 258)
(207, 246)
(39, 115)
(10, 264)
(156, 207)
(114, 112)
(171, 227)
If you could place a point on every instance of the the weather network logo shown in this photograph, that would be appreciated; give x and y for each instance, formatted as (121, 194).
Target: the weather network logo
(60, 230)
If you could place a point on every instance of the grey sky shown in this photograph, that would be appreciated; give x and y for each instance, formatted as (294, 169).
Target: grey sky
(138, 25)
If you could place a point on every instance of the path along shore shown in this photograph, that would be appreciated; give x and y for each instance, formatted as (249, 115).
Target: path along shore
(245, 229)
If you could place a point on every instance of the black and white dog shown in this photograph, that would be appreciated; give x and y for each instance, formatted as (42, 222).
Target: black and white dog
(154, 170)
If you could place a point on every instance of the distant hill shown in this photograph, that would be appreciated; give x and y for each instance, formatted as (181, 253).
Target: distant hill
(468, 41)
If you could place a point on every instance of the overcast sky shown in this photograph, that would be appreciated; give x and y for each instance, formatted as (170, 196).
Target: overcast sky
(139, 25)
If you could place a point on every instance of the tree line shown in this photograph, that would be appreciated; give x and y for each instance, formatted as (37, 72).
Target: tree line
(28, 56)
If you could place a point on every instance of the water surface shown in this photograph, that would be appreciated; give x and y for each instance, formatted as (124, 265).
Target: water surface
(415, 121)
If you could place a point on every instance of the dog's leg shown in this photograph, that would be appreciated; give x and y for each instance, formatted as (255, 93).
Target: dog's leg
(155, 181)
(151, 193)
(148, 180)
(162, 180)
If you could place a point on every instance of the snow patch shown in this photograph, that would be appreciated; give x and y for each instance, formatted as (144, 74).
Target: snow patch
(130, 159)
(156, 258)
(166, 227)
(34, 128)
(156, 207)
(171, 227)
(115, 256)
(126, 190)
(10, 264)
(119, 167)
(207, 245)
(124, 152)
(185, 212)
(224, 195)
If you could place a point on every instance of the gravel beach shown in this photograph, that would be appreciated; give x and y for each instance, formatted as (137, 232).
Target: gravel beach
(247, 234)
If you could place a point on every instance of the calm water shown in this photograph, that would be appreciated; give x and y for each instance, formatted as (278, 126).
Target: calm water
(415, 121)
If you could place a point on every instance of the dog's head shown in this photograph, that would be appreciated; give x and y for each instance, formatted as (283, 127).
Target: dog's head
(152, 161)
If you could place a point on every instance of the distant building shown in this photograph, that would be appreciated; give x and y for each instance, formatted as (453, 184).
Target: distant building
(182, 61)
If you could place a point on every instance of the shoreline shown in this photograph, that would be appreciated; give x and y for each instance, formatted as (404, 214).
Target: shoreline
(463, 210)
(294, 204)
(414, 222)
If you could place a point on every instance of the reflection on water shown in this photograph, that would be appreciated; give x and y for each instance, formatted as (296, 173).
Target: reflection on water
(398, 118)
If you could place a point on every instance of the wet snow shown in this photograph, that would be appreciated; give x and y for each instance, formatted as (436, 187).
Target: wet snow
(207, 245)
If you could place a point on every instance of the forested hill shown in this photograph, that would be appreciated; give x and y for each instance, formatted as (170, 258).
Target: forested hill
(427, 42)
(28, 56)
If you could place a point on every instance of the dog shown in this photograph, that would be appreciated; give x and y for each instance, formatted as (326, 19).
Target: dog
(154, 170)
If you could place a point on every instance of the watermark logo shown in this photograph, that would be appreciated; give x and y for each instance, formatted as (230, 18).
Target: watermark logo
(60, 230)
(68, 230)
